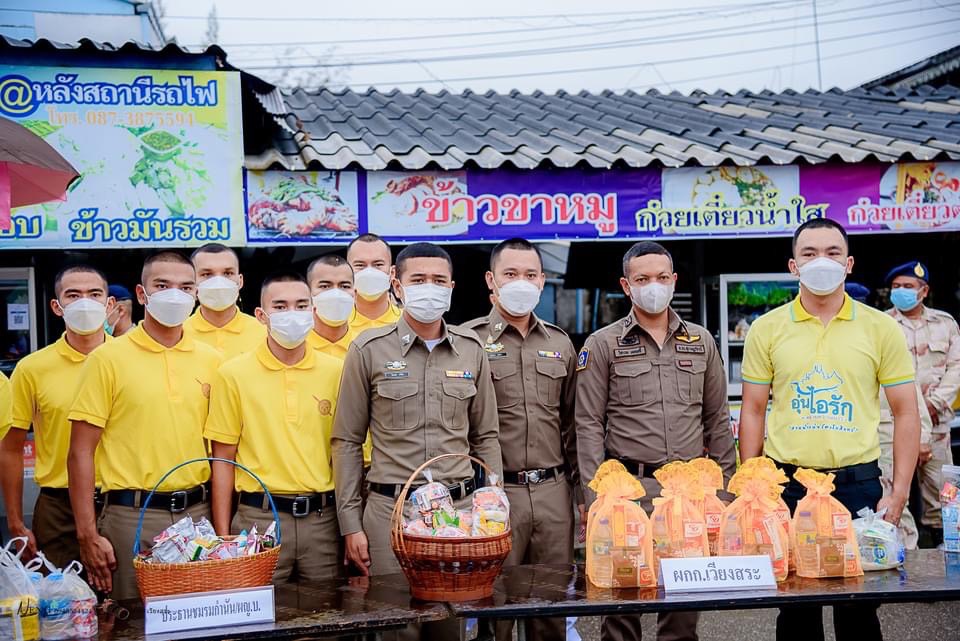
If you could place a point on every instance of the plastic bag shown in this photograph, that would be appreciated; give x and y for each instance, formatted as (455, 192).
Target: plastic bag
(825, 544)
(880, 543)
(766, 469)
(491, 510)
(678, 526)
(619, 544)
(751, 525)
(68, 607)
(434, 503)
(19, 600)
(950, 507)
(707, 501)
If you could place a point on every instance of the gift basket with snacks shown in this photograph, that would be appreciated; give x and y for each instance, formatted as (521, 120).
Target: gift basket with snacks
(825, 542)
(449, 554)
(189, 557)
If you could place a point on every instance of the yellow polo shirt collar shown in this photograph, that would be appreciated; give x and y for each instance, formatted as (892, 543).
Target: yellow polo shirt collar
(147, 342)
(271, 362)
(234, 326)
(848, 310)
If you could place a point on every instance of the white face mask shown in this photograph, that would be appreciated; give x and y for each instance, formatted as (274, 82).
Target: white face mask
(822, 276)
(518, 297)
(333, 306)
(84, 316)
(371, 283)
(652, 298)
(427, 302)
(170, 307)
(218, 293)
(290, 329)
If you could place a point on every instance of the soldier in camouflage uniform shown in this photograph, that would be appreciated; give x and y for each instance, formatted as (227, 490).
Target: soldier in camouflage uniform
(934, 342)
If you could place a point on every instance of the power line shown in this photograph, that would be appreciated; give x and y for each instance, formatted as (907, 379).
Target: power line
(555, 72)
(617, 44)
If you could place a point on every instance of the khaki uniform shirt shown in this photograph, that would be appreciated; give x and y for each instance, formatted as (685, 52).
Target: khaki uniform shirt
(651, 405)
(418, 404)
(534, 380)
(934, 343)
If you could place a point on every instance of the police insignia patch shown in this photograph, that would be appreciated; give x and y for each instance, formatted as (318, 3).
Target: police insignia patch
(493, 347)
(395, 365)
(627, 341)
(583, 358)
(543, 354)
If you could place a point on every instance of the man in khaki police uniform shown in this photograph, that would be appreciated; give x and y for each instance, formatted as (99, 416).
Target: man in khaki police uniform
(331, 285)
(143, 399)
(533, 367)
(44, 385)
(272, 410)
(218, 321)
(651, 389)
(424, 389)
(934, 343)
(369, 257)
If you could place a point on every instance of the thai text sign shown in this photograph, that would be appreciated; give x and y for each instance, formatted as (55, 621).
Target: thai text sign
(588, 204)
(209, 610)
(160, 156)
(717, 574)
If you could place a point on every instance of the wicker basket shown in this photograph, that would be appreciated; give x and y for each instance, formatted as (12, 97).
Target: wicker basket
(447, 569)
(162, 579)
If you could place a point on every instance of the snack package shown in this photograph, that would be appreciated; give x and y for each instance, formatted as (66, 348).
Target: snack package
(68, 607)
(186, 542)
(619, 545)
(880, 543)
(491, 510)
(825, 543)
(766, 469)
(434, 503)
(751, 525)
(678, 527)
(707, 501)
(19, 600)
(950, 507)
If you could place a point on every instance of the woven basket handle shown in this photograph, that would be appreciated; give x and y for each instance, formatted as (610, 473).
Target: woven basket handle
(396, 519)
(146, 502)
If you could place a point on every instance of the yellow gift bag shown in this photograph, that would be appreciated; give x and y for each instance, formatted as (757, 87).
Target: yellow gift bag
(825, 543)
(677, 525)
(711, 480)
(751, 525)
(765, 468)
(619, 547)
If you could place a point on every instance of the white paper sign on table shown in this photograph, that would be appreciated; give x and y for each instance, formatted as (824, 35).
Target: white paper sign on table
(199, 610)
(717, 574)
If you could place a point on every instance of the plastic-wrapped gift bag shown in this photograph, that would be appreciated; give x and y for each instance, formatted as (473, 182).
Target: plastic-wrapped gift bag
(751, 525)
(68, 607)
(765, 468)
(881, 546)
(825, 544)
(711, 481)
(619, 545)
(677, 524)
(19, 601)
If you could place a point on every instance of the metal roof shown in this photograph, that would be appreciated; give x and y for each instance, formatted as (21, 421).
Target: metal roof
(395, 130)
(935, 70)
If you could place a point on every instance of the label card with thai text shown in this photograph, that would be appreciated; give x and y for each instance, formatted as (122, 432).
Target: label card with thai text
(198, 610)
(717, 574)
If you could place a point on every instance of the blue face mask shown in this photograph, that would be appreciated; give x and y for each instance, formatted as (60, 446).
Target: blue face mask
(904, 299)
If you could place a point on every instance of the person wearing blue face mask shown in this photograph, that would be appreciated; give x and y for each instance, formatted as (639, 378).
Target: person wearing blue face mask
(934, 342)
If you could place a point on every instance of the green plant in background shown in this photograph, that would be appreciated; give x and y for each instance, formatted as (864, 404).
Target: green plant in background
(758, 295)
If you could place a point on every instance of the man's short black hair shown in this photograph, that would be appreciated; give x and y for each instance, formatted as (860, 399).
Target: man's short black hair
(281, 277)
(163, 256)
(77, 269)
(331, 260)
(422, 250)
(644, 248)
(514, 243)
(820, 223)
(368, 238)
(213, 248)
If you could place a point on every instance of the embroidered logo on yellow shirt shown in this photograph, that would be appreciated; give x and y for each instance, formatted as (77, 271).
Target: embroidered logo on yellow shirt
(323, 406)
(544, 354)
(204, 388)
(456, 373)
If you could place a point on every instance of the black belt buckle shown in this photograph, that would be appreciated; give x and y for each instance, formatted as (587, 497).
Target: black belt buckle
(532, 477)
(174, 496)
(300, 507)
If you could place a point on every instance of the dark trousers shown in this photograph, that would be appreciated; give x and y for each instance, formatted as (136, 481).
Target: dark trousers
(850, 622)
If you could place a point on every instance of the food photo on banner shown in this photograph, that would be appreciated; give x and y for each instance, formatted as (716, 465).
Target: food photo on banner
(150, 147)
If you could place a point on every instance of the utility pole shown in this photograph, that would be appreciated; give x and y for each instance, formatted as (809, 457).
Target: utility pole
(816, 38)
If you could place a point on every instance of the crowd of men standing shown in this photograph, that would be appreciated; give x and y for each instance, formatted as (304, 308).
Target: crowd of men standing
(333, 395)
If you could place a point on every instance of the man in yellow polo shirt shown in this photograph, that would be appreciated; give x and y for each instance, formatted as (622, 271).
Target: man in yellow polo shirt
(6, 403)
(143, 398)
(331, 286)
(272, 411)
(43, 387)
(370, 257)
(826, 358)
(218, 321)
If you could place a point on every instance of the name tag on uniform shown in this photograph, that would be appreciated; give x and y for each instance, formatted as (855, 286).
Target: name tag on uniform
(396, 374)
(542, 354)
(625, 352)
(456, 373)
(683, 348)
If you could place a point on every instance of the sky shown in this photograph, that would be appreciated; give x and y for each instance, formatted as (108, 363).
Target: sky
(671, 45)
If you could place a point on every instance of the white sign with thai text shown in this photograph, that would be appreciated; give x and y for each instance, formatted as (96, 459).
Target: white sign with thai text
(198, 610)
(717, 574)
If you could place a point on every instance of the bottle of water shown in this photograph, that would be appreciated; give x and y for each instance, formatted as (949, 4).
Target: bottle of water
(602, 545)
(808, 558)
